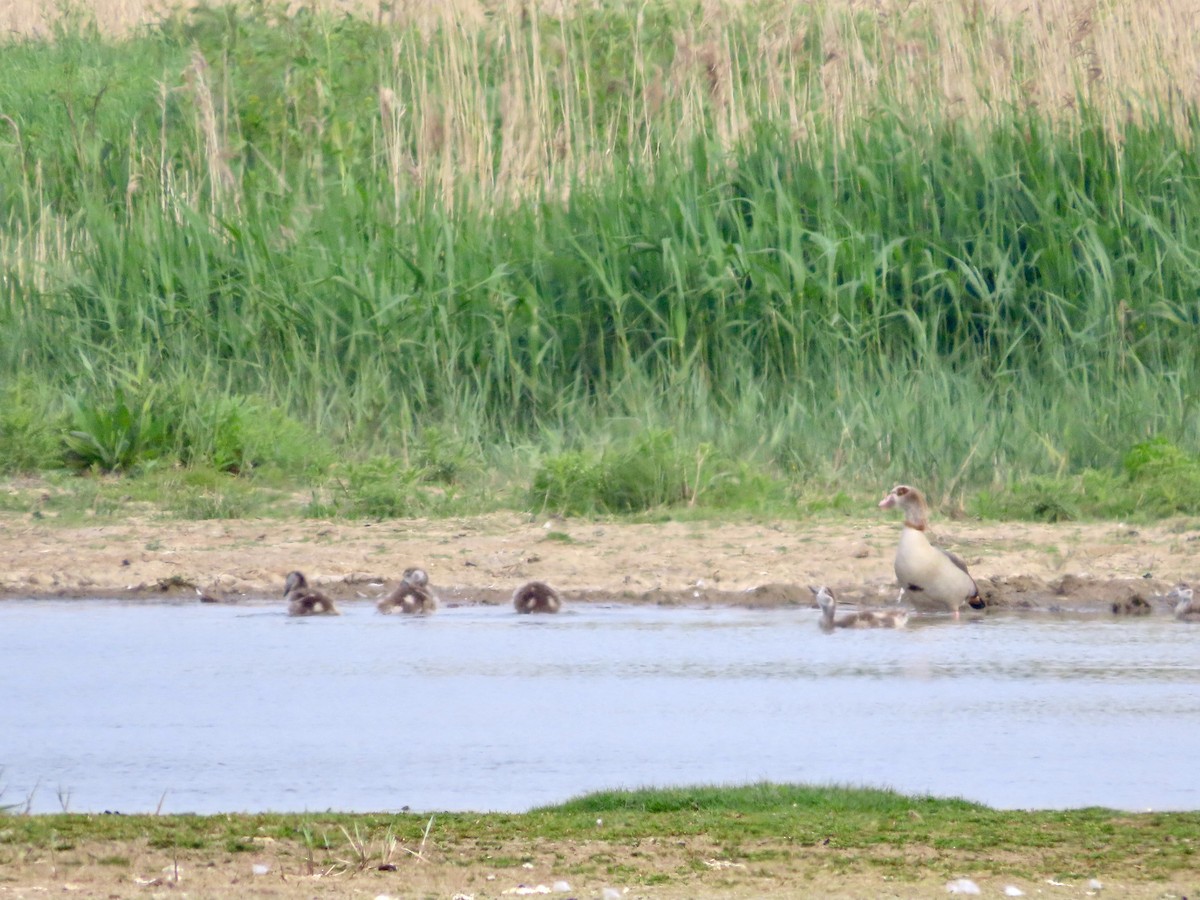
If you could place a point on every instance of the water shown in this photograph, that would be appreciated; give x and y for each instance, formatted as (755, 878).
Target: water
(202, 708)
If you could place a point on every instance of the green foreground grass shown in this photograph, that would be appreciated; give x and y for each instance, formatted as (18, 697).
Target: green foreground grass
(863, 829)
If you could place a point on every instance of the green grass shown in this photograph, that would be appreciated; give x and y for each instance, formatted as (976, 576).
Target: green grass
(743, 821)
(624, 260)
(382, 487)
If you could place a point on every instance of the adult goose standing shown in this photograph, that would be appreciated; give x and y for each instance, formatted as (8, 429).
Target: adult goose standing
(932, 579)
(536, 597)
(412, 595)
(866, 618)
(1186, 608)
(303, 600)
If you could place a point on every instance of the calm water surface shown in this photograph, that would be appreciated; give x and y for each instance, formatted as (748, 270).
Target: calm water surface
(200, 708)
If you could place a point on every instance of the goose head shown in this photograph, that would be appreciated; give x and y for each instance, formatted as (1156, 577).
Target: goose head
(910, 501)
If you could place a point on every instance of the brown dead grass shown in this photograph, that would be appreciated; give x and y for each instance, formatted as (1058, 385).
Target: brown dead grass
(670, 868)
(970, 59)
(926, 60)
(676, 868)
(37, 18)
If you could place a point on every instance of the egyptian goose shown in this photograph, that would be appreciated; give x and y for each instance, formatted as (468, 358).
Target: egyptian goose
(931, 578)
(1186, 608)
(536, 597)
(867, 618)
(304, 600)
(412, 595)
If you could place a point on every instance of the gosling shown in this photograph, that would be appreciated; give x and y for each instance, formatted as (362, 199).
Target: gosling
(412, 595)
(867, 618)
(303, 600)
(536, 597)
(1186, 608)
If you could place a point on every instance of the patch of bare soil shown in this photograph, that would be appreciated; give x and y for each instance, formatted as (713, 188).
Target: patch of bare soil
(667, 868)
(1094, 566)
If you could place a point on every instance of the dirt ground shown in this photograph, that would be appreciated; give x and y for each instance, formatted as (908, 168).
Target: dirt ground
(676, 869)
(1090, 566)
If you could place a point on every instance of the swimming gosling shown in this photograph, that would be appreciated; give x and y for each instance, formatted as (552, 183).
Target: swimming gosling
(866, 618)
(412, 595)
(536, 597)
(303, 600)
(1186, 608)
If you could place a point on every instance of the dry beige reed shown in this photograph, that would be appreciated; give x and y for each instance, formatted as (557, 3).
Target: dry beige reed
(528, 128)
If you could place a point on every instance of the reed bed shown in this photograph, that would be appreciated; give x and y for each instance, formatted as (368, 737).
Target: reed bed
(839, 242)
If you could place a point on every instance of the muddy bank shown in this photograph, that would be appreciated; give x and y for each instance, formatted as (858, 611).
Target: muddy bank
(482, 559)
(1071, 593)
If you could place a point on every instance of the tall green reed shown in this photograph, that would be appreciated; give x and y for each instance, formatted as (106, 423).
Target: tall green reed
(773, 232)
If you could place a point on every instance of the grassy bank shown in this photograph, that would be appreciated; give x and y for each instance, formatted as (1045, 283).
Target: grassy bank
(615, 259)
(767, 837)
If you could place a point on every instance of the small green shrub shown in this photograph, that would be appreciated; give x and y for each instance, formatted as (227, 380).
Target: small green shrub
(213, 433)
(442, 456)
(29, 431)
(568, 483)
(717, 480)
(646, 472)
(1164, 479)
(115, 433)
(237, 434)
(1152, 456)
(380, 488)
(1159, 480)
(1051, 508)
(274, 439)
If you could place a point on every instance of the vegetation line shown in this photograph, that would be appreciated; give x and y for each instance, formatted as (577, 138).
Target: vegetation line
(612, 258)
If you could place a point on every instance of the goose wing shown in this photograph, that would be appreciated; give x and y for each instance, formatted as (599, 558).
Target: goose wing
(974, 601)
(955, 558)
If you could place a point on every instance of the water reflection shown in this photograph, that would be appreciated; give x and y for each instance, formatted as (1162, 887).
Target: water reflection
(225, 708)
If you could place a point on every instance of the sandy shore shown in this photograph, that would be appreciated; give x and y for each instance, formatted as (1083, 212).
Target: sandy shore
(482, 559)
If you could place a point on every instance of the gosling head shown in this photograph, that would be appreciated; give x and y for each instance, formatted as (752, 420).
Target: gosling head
(1181, 593)
(416, 577)
(824, 597)
(294, 581)
(1181, 596)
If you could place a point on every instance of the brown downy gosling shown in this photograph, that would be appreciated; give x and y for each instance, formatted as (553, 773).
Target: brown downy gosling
(536, 597)
(866, 618)
(303, 600)
(412, 595)
(1186, 608)
(1133, 605)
